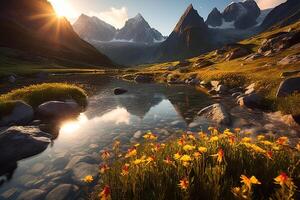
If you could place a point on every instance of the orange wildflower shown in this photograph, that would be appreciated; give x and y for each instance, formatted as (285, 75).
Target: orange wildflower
(105, 194)
(88, 179)
(269, 155)
(282, 141)
(105, 155)
(150, 136)
(183, 184)
(103, 168)
(131, 152)
(219, 155)
(125, 169)
(283, 180)
(181, 142)
(249, 181)
(168, 161)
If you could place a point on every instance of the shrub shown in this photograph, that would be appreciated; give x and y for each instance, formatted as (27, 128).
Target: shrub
(35, 95)
(224, 165)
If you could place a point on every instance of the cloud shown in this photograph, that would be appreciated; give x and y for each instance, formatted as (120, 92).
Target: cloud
(263, 4)
(114, 16)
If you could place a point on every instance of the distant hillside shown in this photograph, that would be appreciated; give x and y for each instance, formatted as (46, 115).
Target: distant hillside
(33, 27)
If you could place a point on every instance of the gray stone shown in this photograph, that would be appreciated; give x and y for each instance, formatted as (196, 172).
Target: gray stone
(253, 56)
(63, 192)
(119, 91)
(36, 168)
(12, 79)
(236, 94)
(83, 169)
(21, 114)
(144, 78)
(216, 113)
(251, 101)
(137, 135)
(19, 142)
(81, 158)
(288, 87)
(33, 194)
(57, 109)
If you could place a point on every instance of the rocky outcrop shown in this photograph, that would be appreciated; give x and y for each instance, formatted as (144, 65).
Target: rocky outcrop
(291, 59)
(252, 100)
(237, 53)
(19, 142)
(58, 109)
(217, 113)
(288, 87)
(21, 114)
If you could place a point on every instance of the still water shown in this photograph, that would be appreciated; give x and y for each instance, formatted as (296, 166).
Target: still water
(75, 152)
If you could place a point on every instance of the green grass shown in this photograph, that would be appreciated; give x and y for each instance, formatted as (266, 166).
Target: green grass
(35, 95)
(212, 165)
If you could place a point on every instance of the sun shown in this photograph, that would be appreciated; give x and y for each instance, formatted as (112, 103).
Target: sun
(63, 8)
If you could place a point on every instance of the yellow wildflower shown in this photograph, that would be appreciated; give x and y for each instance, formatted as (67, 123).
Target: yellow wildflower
(177, 156)
(257, 149)
(246, 140)
(116, 144)
(203, 135)
(88, 179)
(266, 142)
(138, 161)
(150, 136)
(131, 152)
(186, 158)
(249, 181)
(260, 137)
(188, 147)
(214, 139)
(202, 149)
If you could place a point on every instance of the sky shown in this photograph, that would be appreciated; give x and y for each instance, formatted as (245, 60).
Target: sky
(160, 14)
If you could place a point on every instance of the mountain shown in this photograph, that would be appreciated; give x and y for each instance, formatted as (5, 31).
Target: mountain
(189, 37)
(239, 15)
(214, 18)
(138, 30)
(282, 15)
(92, 28)
(33, 27)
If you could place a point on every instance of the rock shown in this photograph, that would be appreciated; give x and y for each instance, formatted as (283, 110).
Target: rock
(144, 78)
(33, 194)
(253, 56)
(251, 101)
(236, 94)
(83, 169)
(250, 89)
(222, 89)
(19, 142)
(77, 159)
(212, 92)
(128, 77)
(119, 91)
(58, 109)
(21, 114)
(215, 84)
(288, 87)
(214, 18)
(12, 79)
(172, 68)
(63, 192)
(291, 59)
(173, 79)
(9, 194)
(137, 135)
(36, 168)
(237, 53)
(216, 113)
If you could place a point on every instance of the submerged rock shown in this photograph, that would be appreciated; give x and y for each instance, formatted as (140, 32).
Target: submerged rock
(216, 113)
(19, 142)
(119, 91)
(288, 87)
(21, 114)
(58, 109)
(33, 194)
(63, 192)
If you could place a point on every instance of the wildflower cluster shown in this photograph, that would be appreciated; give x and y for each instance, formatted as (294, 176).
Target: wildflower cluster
(218, 165)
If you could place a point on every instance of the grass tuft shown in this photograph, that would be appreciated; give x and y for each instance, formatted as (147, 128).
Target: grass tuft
(35, 95)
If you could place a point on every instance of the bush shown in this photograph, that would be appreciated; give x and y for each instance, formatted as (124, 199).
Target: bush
(35, 95)
(224, 165)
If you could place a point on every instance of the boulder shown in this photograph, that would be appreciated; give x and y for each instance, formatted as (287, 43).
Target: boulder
(63, 192)
(19, 142)
(119, 91)
(237, 53)
(33, 194)
(215, 84)
(144, 78)
(251, 101)
(21, 114)
(216, 113)
(222, 89)
(291, 59)
(82, 170)
(288, 87)
(58, 109)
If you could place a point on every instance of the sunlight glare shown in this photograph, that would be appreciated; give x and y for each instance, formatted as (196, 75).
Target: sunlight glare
(71, 127)
(63, 8)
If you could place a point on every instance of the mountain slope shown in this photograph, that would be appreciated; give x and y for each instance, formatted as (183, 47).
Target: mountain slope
(92, 28)
(32, 26)
(282, 15)
(138, 30)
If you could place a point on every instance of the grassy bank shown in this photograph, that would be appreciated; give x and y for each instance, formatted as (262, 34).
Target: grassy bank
(217, 165)
(264, 71)
(35, 95)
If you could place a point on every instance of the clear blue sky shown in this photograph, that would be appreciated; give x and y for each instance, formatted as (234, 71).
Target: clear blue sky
(160, 14)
